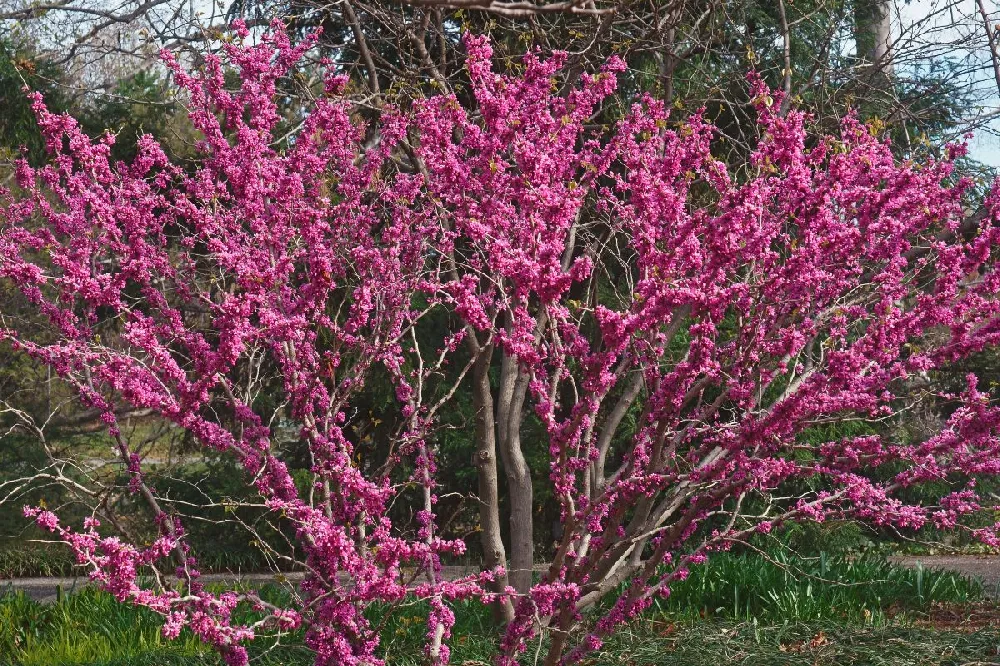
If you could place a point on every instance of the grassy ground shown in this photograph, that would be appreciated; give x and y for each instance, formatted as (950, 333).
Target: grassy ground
(813, 643)
(688, 643)
(782, 587)
(737, 610)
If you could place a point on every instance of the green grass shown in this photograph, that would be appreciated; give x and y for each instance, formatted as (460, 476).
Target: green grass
(36, 560)
(737, 609)
(779, 588)
(87, 627)
(645, 643)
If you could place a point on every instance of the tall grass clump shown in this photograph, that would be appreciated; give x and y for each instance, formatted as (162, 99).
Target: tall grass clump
(785, 587)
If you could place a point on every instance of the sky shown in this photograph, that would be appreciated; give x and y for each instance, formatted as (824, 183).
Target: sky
(956, 27)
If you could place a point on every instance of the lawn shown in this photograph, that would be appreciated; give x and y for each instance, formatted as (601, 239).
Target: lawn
(739, 609)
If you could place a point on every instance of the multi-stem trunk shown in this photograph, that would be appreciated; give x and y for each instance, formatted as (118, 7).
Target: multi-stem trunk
(485, 461)
(510, 403)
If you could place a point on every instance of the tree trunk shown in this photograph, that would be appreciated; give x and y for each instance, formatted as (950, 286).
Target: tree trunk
(873, 39)
(486, 467)
(513, 387)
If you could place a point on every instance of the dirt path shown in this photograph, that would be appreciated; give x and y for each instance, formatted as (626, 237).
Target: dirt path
(985, 568)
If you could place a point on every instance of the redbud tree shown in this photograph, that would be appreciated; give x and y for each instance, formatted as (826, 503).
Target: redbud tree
(677, 326)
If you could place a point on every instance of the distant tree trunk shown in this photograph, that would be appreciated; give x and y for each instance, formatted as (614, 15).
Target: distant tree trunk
(873, 39)
(510, 403)
(486, 466)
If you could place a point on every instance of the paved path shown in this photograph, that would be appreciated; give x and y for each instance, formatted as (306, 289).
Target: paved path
(46, 589)
(985, 568)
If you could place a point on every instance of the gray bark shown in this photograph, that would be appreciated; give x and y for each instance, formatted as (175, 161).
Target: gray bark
(873, 38)
(510, 403)
(486, 466)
